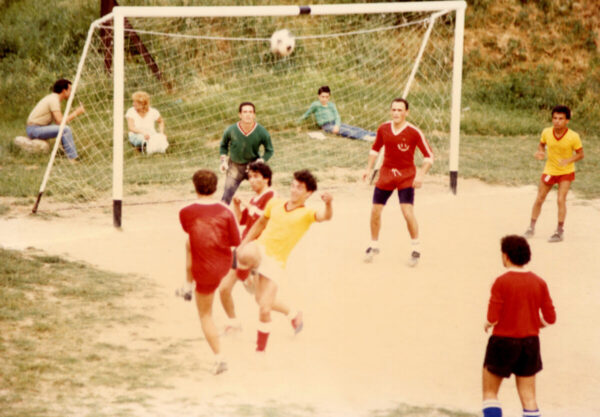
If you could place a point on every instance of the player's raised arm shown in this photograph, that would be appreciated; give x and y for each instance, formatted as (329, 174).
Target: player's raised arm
(327, 213)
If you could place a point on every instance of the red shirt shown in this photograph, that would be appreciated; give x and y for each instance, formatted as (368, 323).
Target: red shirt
(255, 209)
(213, 231)
(516, 300)
(398, 168)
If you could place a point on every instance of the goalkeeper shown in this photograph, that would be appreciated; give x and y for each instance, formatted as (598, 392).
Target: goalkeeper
(240, 145)
(329, 120)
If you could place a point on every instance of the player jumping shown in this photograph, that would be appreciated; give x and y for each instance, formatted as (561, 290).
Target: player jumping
(281, 226)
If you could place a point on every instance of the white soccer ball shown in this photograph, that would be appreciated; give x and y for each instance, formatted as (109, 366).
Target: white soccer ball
(282, 42)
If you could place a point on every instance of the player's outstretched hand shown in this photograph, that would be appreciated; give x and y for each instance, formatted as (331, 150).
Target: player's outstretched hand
(237, 201)
(540, 155)
(224, 164)
(326, 197)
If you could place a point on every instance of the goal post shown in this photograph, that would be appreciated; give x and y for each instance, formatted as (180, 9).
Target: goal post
(211, 58)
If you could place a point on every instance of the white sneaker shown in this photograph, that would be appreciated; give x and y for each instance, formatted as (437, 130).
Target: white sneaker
(528, 233)
(414, 259)
(556, 237)
(370, 254)
(186, 295)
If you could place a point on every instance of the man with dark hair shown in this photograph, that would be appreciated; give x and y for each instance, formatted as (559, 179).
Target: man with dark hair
(328, 118)
(564, 149)
(212, 231)
(398, 172)
(45, 118)
(280, 227)
(259, 177)
(517, 298)
(240, 145)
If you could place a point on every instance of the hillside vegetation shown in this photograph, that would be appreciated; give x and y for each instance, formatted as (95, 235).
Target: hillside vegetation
(520, 55)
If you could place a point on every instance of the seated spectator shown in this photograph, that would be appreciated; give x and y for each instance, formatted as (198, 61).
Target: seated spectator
(45, 118)
(141, 121)
(329, 120)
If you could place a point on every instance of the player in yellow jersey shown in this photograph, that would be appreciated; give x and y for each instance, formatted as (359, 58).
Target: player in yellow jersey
(564, 149)
(281, 226)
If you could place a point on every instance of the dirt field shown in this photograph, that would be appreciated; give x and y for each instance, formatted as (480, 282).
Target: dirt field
(375, 334)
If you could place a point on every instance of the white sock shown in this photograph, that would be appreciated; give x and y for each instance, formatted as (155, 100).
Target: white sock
(416, 245)
(374, 244)
(219, 357)
(234, 322)
(189, 286)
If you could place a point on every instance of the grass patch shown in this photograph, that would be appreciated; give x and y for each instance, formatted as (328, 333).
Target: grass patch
(51, 313)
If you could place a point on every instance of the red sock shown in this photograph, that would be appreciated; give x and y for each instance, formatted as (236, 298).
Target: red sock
(242, 274)
(261, 341)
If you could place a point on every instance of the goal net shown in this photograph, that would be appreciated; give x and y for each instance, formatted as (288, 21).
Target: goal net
(198, 64)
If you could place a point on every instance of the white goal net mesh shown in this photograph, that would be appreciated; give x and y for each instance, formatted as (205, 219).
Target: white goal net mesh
(198, 70)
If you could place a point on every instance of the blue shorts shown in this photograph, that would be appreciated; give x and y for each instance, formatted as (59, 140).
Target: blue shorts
(405, 195)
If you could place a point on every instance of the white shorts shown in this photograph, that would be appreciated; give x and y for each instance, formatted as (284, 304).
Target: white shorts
(270, 267)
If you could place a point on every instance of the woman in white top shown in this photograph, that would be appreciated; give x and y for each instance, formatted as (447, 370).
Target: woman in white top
(141, 121)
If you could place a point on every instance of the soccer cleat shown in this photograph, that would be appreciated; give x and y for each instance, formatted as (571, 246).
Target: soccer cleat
(414, 258)
(528, 233)
(186, 295)
(556, 237)
(219, 367)
(298, 323)
(370, 254)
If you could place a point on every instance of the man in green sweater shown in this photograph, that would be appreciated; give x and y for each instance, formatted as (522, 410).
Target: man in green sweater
(240, 145)
(328, 118)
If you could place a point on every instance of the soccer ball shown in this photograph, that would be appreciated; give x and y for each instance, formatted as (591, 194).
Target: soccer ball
(282, 42)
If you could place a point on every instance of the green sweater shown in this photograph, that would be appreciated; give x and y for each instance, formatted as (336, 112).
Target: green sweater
(323, 114)
(243, 149)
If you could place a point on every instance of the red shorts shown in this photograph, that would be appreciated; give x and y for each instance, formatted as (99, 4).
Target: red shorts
(555, 179)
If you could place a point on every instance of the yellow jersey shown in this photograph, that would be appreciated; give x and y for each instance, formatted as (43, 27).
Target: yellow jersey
(284, 229)
(558, 149)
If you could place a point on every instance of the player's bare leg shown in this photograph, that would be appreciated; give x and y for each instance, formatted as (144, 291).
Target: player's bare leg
(561, 200)
(375, 224)
(204, 303)
(526, 390)
(491, 385)
(225, 290)
(266, 292)
(543, 190)
(413, 231)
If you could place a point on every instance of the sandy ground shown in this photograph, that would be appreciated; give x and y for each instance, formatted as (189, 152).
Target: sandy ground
(375, 334)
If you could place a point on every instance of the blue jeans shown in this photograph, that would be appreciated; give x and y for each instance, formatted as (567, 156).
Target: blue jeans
(348, 131)
(51, 131)
(236, 173)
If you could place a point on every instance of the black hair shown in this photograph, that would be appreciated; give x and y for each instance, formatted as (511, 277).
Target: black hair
(516, 248)
(562, 109)
(304, 176)
(263, 169)
(205, 182)
(324, 89)
(60, 85)
(400, 100)
(246, 103)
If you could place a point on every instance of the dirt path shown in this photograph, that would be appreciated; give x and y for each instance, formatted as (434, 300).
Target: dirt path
(375, 334)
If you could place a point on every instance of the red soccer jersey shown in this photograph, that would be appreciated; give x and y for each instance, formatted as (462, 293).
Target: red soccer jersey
(516, 300)
(398, 168)
(213, 231)
(255, 209)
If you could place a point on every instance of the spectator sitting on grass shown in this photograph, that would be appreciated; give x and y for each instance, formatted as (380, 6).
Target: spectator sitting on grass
(329, 120)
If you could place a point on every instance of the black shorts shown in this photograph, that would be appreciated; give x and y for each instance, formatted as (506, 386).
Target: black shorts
(405, 195)
(509, 355)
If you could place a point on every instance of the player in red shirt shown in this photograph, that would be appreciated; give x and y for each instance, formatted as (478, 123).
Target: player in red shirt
(260, 178)
(518, 296)
(398, 172)
(212, 231)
